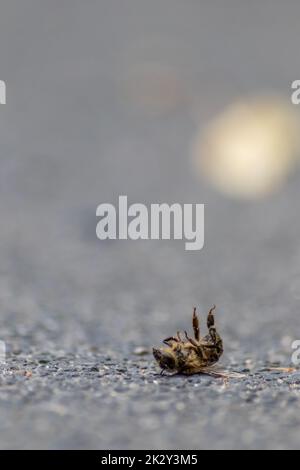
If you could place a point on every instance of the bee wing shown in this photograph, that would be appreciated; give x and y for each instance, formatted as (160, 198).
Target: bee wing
(222, 373)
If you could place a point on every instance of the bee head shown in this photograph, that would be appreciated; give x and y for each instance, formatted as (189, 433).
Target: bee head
(165, 358)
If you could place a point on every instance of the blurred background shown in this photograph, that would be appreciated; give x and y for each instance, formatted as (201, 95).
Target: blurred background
(163, 101)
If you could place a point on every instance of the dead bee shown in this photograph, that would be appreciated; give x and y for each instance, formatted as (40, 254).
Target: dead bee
(192, 355)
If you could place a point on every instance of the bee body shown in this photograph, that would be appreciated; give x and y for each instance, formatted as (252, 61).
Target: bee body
(191, 355)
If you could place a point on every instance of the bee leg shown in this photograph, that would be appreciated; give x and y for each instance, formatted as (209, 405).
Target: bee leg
(214, 335)
(201, 353)
(196, 325)
(196, 347)
(168, 341)
(179, 337)
(191, 340)
(211, 324)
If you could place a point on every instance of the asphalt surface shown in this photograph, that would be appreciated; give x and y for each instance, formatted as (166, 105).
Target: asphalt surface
(75, 133)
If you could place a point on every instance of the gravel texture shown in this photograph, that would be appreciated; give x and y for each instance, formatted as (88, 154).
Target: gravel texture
(94, 400)
(77, 313)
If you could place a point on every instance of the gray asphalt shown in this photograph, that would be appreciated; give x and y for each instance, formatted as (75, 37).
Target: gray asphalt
(75, 133)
